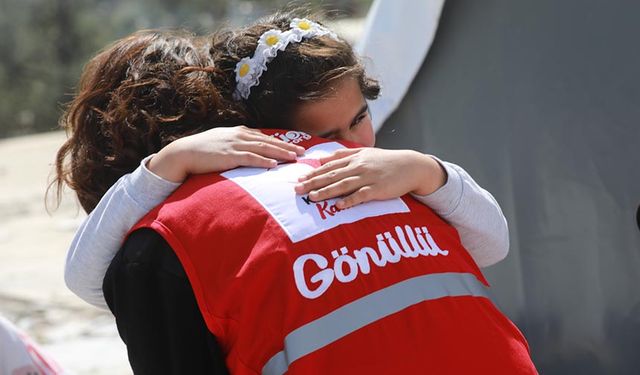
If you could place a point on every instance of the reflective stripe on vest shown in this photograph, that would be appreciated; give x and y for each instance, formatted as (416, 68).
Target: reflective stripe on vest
(366, 310)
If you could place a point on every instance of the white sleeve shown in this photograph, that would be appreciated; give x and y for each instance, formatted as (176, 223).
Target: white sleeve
(101, 234)
(473, 212)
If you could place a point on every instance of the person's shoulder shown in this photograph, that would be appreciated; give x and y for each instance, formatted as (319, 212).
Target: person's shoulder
(145, 246)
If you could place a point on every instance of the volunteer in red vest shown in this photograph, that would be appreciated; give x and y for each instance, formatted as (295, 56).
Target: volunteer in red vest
(285, 284)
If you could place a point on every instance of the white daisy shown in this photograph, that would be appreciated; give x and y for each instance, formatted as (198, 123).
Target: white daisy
(246, 70)
(308, 29)
(272, 39)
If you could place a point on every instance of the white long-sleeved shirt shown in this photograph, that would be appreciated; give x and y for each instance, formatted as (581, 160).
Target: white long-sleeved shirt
(461, 201)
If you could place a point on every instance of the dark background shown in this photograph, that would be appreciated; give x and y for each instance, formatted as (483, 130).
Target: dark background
(540, 102)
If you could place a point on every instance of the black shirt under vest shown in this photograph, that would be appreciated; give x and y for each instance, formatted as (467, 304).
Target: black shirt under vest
(156, 312)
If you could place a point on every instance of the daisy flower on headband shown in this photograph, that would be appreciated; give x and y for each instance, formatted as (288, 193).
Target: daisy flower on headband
(273, 39)
(305, 28)
(245, 76)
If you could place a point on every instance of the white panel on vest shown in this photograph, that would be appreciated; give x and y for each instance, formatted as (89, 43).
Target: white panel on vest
(299, 217)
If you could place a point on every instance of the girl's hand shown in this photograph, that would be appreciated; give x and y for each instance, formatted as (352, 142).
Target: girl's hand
(220, 149)
(365, 174)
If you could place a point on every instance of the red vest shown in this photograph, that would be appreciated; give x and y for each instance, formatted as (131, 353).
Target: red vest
(289, 285)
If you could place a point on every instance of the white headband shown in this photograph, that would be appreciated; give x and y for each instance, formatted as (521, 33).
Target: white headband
(248, 70)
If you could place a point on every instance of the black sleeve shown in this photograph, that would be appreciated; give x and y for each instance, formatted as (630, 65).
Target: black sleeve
(147, 290)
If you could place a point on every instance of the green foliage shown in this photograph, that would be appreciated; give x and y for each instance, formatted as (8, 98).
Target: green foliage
(45, 43)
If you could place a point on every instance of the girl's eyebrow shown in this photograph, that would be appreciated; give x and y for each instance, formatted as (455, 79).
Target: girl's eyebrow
(363, 109)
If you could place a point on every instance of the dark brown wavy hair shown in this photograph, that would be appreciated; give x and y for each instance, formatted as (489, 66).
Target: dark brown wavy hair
(150, 88)
(135, 97)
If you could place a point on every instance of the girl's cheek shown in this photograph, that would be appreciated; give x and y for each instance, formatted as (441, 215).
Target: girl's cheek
(367, 136)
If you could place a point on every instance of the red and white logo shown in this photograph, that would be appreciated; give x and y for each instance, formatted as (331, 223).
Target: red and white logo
(292, 136)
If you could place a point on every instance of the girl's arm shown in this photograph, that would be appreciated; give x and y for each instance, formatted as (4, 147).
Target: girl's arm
(365, 174)
(101, 234)
(474, 212)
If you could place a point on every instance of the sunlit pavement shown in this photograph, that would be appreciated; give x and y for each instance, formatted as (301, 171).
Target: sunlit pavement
(33, 244)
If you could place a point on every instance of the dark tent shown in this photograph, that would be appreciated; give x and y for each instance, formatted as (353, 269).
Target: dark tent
(540, 102)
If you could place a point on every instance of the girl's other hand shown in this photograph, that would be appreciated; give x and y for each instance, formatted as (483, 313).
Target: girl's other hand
(220, 149)
(366, 174)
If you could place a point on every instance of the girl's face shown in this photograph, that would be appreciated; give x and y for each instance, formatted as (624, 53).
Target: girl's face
(342, 115)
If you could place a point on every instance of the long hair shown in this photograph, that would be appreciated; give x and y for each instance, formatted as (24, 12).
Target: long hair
(135, 97)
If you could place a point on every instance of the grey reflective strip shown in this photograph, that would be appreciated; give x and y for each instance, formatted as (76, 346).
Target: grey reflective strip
(357, 314)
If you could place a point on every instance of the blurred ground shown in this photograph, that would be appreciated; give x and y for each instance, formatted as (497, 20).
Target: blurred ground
(33, 245)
